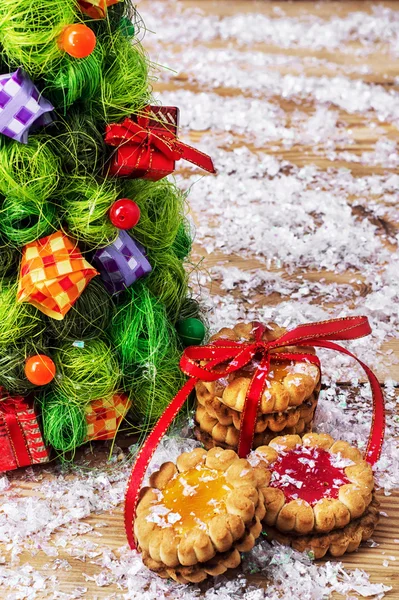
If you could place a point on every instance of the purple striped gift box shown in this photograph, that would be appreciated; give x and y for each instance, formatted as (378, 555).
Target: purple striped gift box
(121, 263)
(22, 108)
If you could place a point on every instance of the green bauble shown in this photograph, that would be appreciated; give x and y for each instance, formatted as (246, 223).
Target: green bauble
(191, 331)
(127, 27)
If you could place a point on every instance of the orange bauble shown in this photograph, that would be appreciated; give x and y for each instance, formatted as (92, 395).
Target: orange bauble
(78, 40)
(40, 369)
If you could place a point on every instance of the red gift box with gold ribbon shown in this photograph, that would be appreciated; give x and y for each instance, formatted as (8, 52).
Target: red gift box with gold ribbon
(147, 146)
(21, 441)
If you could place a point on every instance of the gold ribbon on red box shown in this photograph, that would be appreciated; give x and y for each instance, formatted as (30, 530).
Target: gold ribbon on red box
(148, 148)
(21, 442)
(232, 356)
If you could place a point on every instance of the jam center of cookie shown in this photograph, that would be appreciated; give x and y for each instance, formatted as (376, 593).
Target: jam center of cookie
(308, 474)
(278, 371)
(195, 497)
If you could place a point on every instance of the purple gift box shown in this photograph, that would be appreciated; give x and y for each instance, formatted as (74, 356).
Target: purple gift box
(121, 263)
(21, 106)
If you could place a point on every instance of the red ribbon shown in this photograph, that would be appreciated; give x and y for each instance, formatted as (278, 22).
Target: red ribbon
(234, 356)
(139, 134)
(8, 413)
(96, 9)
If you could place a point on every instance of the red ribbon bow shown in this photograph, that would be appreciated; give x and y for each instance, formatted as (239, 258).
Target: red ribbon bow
(8, 414)
(234, 356)
(96, 9)
(140, 134)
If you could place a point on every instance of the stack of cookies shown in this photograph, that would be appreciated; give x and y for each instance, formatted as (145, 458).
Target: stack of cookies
(198, 515)
(318, 494)
(307, 491)
(287, 405)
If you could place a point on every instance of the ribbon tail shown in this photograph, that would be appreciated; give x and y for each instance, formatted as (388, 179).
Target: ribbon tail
(377, 430)
(196, 157)
(252, 400)
(344, 328)
(145, 455)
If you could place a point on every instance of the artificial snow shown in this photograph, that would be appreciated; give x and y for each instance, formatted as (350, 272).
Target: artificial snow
(285, 226)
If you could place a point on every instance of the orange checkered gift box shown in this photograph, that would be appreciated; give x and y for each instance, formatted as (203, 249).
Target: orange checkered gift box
(103, 417)
(53, 274)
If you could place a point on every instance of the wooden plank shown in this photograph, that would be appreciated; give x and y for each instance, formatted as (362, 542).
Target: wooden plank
(379, 72)
(384, 71)
(113, 537)
(296, 8)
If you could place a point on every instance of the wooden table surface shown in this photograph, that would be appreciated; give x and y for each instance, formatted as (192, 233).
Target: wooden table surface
(382, 69)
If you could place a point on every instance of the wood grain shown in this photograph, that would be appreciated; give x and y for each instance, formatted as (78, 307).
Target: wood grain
(383, 72)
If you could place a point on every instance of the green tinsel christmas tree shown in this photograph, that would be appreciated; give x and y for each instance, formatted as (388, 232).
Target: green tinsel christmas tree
(75, 330)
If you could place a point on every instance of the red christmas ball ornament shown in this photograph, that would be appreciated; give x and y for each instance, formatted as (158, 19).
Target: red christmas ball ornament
(124, 214)
(78, 40)
(40, 369)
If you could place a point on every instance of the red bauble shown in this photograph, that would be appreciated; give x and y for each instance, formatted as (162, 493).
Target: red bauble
(78, 40)
(124, 214)
(40, 369)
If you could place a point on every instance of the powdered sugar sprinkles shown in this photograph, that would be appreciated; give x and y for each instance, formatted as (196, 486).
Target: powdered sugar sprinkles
(300, 113)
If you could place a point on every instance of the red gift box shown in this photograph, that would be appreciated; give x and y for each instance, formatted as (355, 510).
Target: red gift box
(147, 146)
(21, 441)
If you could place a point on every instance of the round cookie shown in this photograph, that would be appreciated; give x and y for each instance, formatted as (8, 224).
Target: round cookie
(336, 543)
(197, 515)
(212, 433)
(274, 422)
(315, 484)
(289, 383)
(208, 442)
